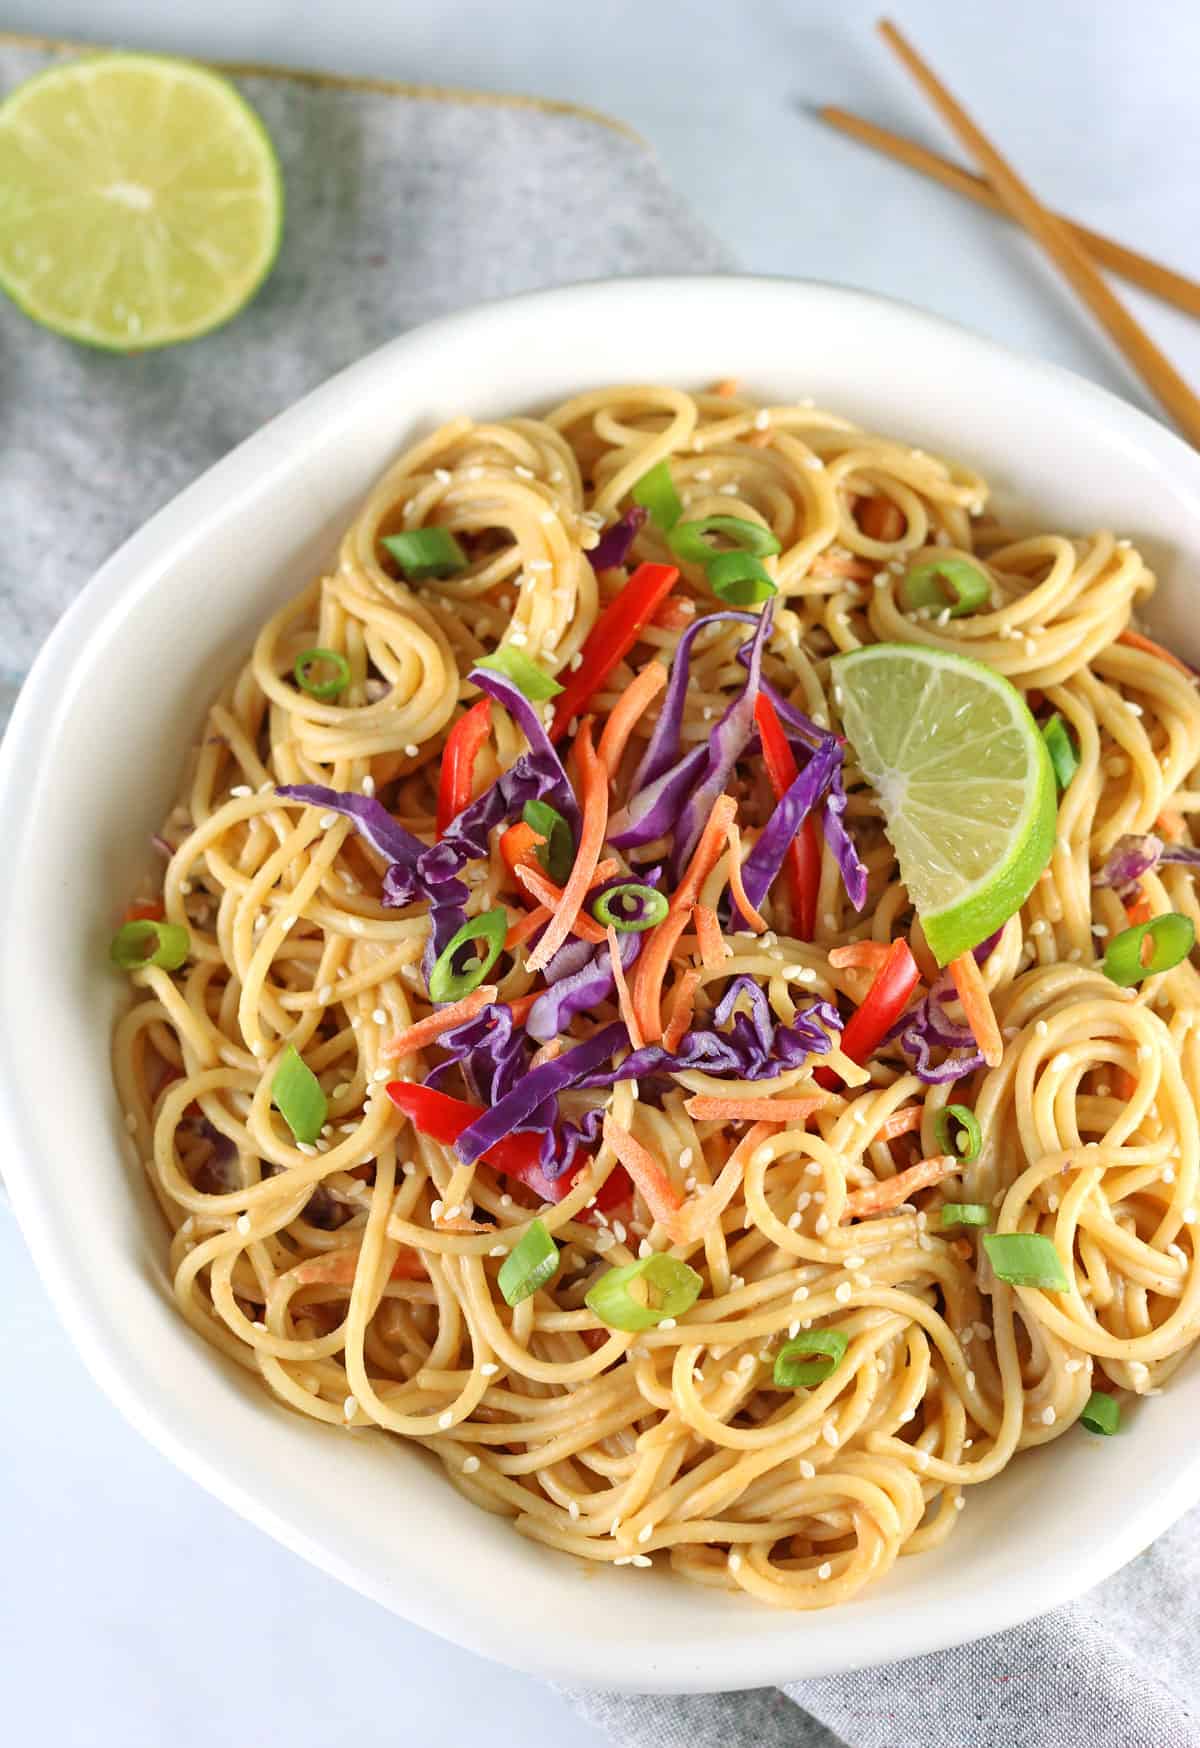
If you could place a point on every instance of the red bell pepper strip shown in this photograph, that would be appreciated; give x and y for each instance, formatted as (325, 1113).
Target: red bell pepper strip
(885, 1001)
(611, 639)
(803, 859)
(458, 761)
(518, 1156)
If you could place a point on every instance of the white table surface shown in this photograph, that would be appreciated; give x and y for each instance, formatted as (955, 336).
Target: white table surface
(137, 1612)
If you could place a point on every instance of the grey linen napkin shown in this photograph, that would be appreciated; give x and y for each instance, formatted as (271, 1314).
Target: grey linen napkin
(404, 204)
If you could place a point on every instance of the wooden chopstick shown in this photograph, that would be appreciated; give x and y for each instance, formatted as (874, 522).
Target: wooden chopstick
(1142, 270)
(1069, 256)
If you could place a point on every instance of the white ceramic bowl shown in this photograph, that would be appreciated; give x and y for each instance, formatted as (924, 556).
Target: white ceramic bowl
(90, 763)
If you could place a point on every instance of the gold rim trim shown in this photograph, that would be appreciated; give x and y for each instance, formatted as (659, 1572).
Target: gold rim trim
(342, 81)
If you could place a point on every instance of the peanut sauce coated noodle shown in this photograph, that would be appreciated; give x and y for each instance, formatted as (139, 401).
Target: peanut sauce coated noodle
(356, 1273)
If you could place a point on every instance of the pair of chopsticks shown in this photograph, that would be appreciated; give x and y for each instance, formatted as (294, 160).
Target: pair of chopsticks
(1073, 249)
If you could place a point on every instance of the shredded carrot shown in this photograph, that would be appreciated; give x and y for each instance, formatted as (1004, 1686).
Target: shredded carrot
(624, 1004)
(453, 1014)
(726, 388)
(748, 913)
(651, 968)
(859, 955)
(522, 1004)
(1137, 640)
(1139, 910)
(889, 1192)
(900, 1123)
(842, 567)
(593, 781)
(1170, 825)
(962, 1249)
(1124, 1084)
(708, 937)
(701, 1213)
(880, 519)
(526, 925)
(705, 1109)
(150, 911)
(647, 683)
(517, 846)
(675, 614)
(651, 1181)
(682, 1009)
(337, 1268)
(972, 993)
(541, 887)
(760, 439)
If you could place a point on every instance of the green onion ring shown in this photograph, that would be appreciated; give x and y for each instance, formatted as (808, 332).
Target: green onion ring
(446, 981)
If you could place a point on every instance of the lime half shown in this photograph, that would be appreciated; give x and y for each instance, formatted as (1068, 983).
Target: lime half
(140, 200)
(963, 778)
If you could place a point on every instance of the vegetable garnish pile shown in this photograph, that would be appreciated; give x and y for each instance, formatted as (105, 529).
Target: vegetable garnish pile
(672, 985)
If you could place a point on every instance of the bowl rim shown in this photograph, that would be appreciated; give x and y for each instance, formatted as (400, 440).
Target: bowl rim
(137, 566)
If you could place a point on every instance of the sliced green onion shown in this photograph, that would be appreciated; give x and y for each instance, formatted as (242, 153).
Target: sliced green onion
(688, 540)
(145, 942)
(630, 908)
(1148, 948)
(297, 1096)
(946, 582)
(525, 676)
(655, 491)
(1101, 1413)
(965, 1214)
(532, 1261)
(330, 658)
(810, 1358)
(458, 969)
(738, 577)
(557, 854)
(1026, 1259)
(957, 1130)
(426, 552)
(670, 1289)
(1060, 745)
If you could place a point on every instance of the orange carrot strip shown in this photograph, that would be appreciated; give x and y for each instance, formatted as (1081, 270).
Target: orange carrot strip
(698, 1215)
(705, 1109)
(647, 683)
(522, 1004)
(425, 1031)
(859, 955)
(150, 910)
(1138, 910)
(972, 993)
(651, 967)
(541, 887)
(1124, 1084)
(761, 439)
(748, 913)
(726, 388)
(337, 1268)
(526, 926)
(891, 1191)
(1170, 825)
(682, 1009)
(517, 846)
(675, 614)
(1137, 640)
(624, 1005)
(708, 937)
(650, 1180)
(880, 519)
(900, 1123)
(593, 779)
(843, 567)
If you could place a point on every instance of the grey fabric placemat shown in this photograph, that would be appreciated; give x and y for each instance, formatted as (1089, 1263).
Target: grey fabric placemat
(401, 207)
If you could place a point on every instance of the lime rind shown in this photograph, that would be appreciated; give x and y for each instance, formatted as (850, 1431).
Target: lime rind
(964, 780)
(141, 200)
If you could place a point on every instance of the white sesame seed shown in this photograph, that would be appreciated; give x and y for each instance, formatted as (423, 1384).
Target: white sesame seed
(1041, 1029)
(496, 1249)
(470, 1465)
(489, 1369)
(325, 993)
(1060, 1062)
(645, 1533)
(645, 1249)
(368, 785)
(573, 1509)
(445, 1420)
(800, 1294)
(642, 1560)
(412, 750)
(1049, 1416)
(794, 1220)
(824, 1570)
(243, 1224)
(959, 1502)
(734, 1562)
(1073, 1366)
(668, 1323)
(842, 1292)
(807, 1469)
(240, 791)
(829, 1433)
(853, 1262)
(380, 1016)
(822, 1224)
(970, 1380)
(685, 1158)
(350, 1407)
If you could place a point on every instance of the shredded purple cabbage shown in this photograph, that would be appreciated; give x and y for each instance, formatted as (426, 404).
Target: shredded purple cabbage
(726, 744)
(612, 548)
(489, 1049)
(766, 858)
(1138, 854)
(539, 1086)
(579, 991)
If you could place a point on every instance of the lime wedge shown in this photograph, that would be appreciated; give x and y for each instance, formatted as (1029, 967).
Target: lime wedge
(963, 778)
(140, 200)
